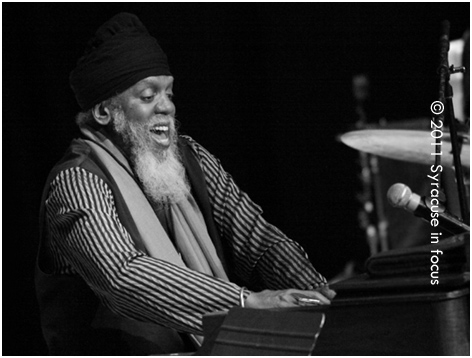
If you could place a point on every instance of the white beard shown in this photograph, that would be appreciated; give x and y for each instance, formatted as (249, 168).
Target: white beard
(159, 169)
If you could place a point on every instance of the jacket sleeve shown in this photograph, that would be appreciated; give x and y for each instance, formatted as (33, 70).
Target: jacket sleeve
(87, 238)
(263, 255)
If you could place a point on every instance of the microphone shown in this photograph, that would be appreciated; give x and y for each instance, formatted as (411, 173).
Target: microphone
(400, 196)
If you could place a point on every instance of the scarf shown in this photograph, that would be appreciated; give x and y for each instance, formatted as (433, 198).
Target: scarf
(195, 248)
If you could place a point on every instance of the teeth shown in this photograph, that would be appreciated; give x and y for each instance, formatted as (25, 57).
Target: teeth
(160, 129)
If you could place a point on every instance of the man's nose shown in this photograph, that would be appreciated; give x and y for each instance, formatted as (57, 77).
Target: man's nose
(164, 105)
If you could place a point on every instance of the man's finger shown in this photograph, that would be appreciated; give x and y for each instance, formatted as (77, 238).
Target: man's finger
(325, 290)
(305, 297)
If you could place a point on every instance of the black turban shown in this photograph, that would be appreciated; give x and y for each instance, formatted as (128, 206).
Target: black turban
(121, 53)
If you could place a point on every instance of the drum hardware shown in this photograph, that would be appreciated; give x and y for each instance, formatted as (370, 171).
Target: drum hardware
(451, 149)
(445, 97)
(371, 216)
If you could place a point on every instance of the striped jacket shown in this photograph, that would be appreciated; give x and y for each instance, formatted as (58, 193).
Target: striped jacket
(86, 236)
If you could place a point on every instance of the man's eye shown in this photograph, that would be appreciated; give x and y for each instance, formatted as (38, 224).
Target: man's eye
(147, 98)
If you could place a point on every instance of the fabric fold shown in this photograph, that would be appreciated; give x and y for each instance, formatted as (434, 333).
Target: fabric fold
(191, 235)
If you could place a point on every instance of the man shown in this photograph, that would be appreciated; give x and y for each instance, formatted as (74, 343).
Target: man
(143, 232)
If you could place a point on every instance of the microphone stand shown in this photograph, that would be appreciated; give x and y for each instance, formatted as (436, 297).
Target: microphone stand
(445, 96)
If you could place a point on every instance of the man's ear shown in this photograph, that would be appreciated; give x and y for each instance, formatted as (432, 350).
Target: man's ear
(101, 114)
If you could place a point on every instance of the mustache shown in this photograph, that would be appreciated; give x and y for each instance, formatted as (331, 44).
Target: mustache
(162, 118)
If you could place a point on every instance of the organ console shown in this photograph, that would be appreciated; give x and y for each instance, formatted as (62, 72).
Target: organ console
(397, 316)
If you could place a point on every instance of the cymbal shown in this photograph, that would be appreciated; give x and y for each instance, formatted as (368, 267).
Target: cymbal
(406, 145)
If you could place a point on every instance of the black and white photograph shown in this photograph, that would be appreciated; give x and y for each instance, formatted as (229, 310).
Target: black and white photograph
(236, 178)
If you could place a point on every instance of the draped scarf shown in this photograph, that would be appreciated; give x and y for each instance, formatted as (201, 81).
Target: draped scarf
(193, 246)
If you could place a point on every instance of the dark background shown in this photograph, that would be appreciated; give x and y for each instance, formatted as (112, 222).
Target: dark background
(264, 87)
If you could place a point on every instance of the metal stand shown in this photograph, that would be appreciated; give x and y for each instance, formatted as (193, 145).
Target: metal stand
(445, 96)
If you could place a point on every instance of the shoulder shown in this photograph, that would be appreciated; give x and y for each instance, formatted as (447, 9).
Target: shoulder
(78, 155)
(77, 192)
(201, 152)
(76, 169)
(185, 140)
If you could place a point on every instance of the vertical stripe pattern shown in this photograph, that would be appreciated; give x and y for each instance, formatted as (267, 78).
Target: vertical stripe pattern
(87, 238)
(260, 249)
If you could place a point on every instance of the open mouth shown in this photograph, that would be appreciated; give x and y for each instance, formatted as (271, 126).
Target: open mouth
(161, 134)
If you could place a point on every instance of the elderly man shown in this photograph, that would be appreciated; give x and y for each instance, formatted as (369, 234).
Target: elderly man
(143, 232)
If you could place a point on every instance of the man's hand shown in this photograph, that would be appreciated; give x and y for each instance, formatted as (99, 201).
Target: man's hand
(326, 291)
(287, 298)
